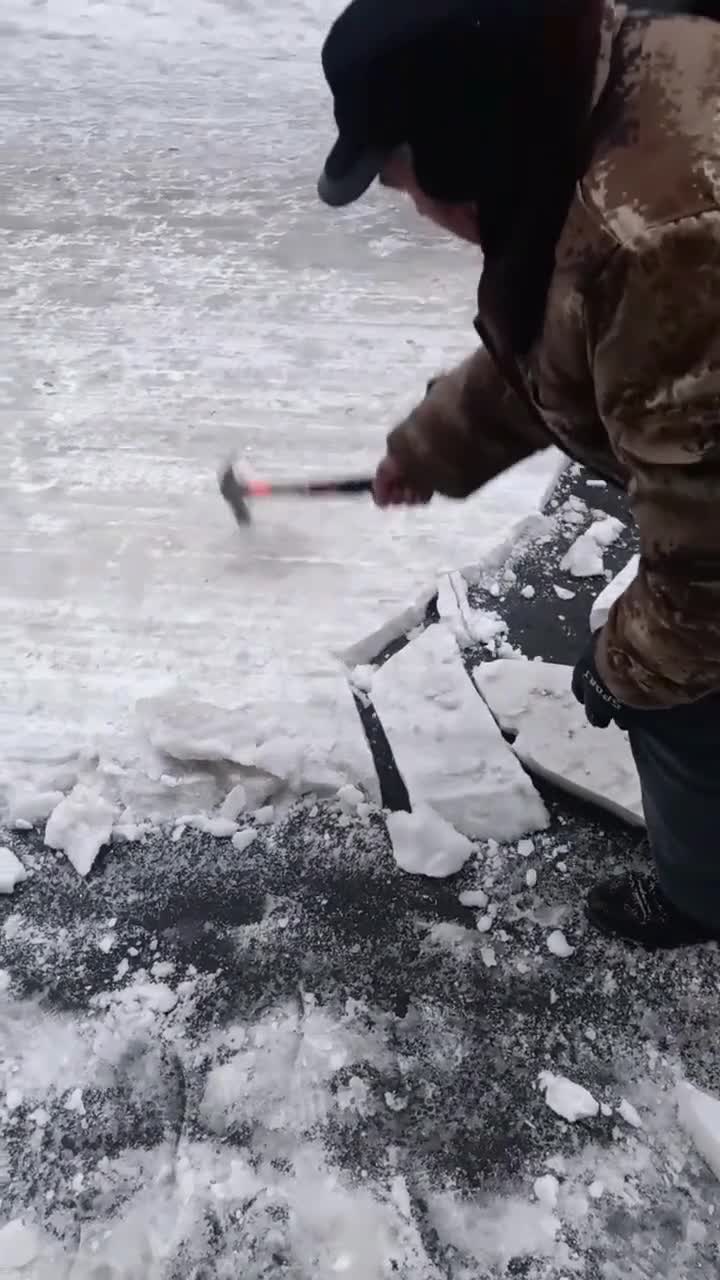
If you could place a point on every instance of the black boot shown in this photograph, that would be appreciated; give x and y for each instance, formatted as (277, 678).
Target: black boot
(634, 908)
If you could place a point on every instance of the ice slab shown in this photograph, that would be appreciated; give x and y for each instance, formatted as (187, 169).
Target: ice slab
(307, 738)
(611, 593)
(535, 701)
(699, 1115)
(447, 745)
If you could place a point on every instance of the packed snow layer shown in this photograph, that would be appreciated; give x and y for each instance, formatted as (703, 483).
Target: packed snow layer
(612, 592)
(425, 844)
(448, 747)
(173, 293)
(310, 742)
(534, 700)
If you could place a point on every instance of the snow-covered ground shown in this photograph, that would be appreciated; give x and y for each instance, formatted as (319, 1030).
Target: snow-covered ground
(173, 292)
(279, 1055)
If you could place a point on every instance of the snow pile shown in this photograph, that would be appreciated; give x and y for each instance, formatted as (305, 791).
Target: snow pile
(425, 844)
(19, 1246)
(447, 745)
(534, 700)
(584, 558)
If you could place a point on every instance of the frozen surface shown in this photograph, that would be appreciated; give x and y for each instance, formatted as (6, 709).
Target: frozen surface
(699, 1114)
(535, 701)
(425, 844)
(447, 745)
(173, 292)
(612, 592)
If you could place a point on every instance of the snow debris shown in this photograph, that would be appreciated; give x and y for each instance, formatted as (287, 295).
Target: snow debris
(244, 838)
(629, 1114)
(596, 1190)
(528, 592)
(14, 1098)
(489, 959)
(27, 805)
(473, 898)
(485, 923)
(425, 844)
(19, 1246)
(568, 1100)
(562, 593)
(12, 871)
(699, 1115)
(361, 677)
(79, 826)
(263, 817)
(219, 827)
(349, 798)
(584, 558)
(74, 1102)
(558, 945)
(525, 848)
(547, 1190)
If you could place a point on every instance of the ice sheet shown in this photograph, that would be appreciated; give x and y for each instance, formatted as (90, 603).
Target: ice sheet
(534, 700)
(447, 745)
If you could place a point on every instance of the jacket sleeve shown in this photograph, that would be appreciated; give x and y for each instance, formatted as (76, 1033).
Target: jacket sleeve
(654, 341)
(471, 426)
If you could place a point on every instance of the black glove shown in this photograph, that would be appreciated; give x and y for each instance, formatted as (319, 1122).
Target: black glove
(601, 706)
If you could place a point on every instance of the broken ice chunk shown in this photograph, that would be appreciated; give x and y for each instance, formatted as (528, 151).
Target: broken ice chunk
(79, 826)
(12, 871)
(567, 1099)
(425, 844)
(558, 945)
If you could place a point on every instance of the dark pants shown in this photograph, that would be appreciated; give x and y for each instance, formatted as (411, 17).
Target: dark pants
(677, 754)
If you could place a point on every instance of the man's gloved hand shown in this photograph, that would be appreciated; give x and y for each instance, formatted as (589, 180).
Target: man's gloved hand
(427, 453)
(601, 706)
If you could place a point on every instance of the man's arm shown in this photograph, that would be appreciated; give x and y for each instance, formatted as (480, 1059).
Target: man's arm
(470, 427)
(654, 337)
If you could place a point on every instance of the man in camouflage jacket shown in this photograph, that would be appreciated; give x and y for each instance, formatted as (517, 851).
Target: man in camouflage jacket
(579, 145)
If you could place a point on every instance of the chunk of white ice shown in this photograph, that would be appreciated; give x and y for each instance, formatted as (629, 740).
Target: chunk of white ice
(12, 871)
(448, 747)
(79, 826)
(425, 844)
(567, 1099)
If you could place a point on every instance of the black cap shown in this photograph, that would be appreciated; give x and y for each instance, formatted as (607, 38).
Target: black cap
(376, 60)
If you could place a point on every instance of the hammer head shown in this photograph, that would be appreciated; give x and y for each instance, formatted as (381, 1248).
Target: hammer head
(234, 493)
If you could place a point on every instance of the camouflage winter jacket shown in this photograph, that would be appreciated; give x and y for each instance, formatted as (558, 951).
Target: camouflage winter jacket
(625, 375)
